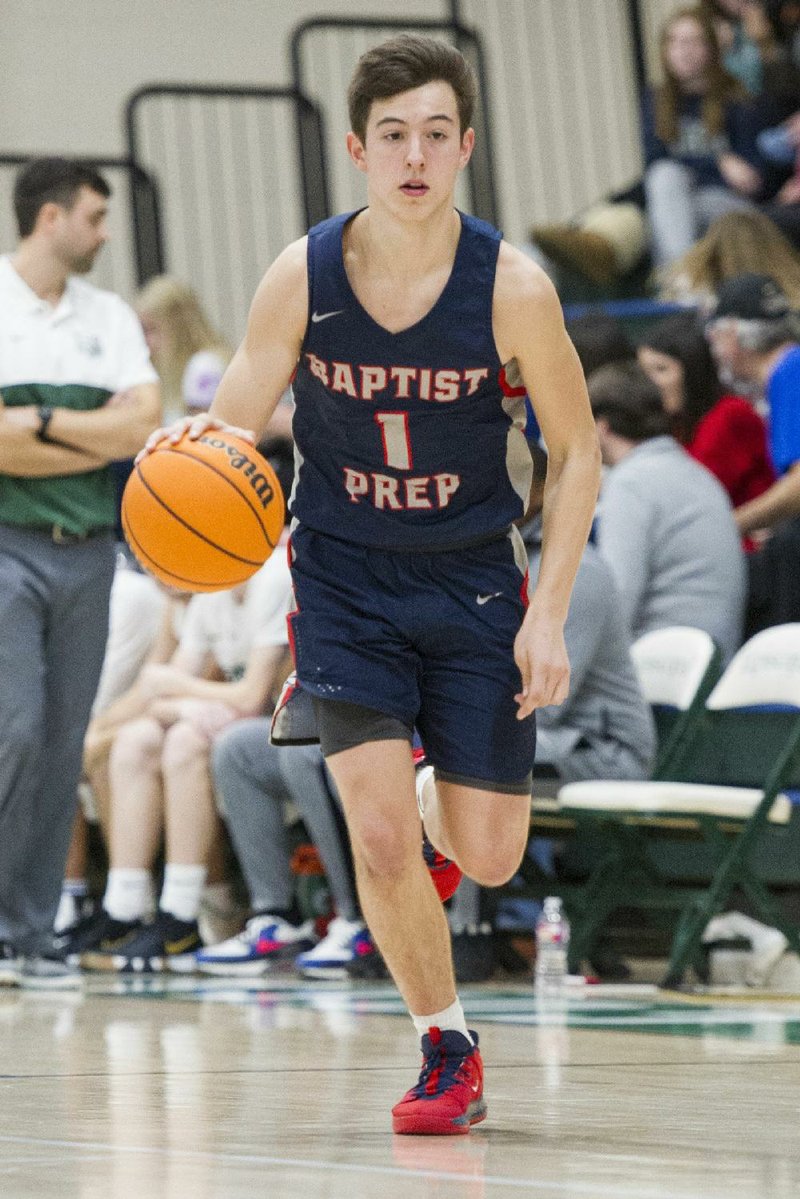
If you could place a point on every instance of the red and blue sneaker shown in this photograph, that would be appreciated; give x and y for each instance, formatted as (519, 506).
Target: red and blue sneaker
(445, 873)
(448, 1099)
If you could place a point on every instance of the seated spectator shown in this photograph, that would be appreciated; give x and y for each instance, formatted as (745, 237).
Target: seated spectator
(160, 771)
(735, 244)
(188, 353)
(610, 239)
(665, 523)
(135, 613)
(722, 431)
(755, 337)
(604, 729)
(146, 620)
(784, 16)
(769, 29)
(598, 339)
(741, 55)
(254, 779)
(699, 135)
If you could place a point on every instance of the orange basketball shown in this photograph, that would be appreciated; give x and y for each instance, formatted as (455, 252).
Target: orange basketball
(203, 515)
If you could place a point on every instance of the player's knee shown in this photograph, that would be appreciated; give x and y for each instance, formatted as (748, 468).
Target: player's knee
(382, 845)
(491, 865)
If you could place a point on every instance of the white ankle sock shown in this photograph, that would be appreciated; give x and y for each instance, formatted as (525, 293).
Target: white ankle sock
(182, 889)
(423, 774)
(129, 893)
(452, 1019)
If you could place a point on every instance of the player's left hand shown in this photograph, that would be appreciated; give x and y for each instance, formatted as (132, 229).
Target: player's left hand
(541, 655)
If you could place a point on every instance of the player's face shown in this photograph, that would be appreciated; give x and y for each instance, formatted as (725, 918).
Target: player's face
(80, 232)
(413, 149)
(667, 374)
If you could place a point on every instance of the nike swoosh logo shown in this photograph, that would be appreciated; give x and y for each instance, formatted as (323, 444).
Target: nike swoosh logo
(484, 599)
(188, 942)
(316, 317)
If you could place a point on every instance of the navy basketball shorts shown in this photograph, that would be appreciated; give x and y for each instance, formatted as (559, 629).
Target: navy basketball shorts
(426, 637)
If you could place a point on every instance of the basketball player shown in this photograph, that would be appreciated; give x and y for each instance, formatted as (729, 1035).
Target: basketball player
(411, 332)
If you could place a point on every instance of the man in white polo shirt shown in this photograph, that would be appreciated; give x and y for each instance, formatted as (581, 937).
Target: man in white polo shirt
(78, 391)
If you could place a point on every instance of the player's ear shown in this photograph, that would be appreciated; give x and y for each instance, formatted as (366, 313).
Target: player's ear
(467, 146)
(357, 151)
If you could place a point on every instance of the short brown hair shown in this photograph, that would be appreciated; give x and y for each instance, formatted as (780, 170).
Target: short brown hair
(52, 180)
(403, 63)
(622, 394)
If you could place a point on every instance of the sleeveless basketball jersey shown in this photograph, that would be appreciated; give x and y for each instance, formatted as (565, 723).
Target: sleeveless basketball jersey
(413, 439)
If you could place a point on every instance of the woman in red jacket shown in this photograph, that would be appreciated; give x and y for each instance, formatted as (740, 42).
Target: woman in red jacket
(723, 431)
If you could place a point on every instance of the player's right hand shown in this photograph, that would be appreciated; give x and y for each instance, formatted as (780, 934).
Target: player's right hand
(192, 427)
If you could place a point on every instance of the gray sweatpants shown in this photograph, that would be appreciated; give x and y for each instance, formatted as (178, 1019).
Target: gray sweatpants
(53, 628)
(253, 780)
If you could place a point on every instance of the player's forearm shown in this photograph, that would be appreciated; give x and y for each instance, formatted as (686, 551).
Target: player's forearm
(780, 502)
(242, 398)
(23, 456)
(118, 430)
(569, 503)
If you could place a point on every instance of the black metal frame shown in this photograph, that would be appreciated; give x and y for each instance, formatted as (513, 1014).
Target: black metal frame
(148, 242)
(637, 29)
(310, 133)
(483, 192)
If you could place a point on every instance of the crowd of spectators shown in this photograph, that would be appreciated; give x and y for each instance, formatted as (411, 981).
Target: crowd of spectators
(194, 808)
(720, 136)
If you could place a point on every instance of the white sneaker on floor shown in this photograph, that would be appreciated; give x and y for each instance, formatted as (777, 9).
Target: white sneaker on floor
(264, 940)
(341, 944)
(48, 972)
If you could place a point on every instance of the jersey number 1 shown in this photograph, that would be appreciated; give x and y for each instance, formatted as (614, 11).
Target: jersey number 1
(396, 442)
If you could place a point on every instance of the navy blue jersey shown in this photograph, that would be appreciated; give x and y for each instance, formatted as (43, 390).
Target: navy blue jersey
(413, 439)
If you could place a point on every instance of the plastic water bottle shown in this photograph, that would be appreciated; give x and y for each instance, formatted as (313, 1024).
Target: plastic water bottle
(552, 950)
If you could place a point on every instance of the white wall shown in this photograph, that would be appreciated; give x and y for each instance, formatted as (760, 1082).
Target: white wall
(563, 93)
(66, 66)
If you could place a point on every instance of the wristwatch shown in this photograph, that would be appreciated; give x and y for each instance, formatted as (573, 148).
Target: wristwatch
(45, 416)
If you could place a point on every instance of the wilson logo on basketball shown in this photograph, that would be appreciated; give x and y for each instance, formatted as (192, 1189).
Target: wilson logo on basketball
(259, 483)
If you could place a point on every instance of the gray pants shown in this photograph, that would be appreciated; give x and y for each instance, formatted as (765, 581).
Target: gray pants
(253, 780)
(54, 619)
(679, 211)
